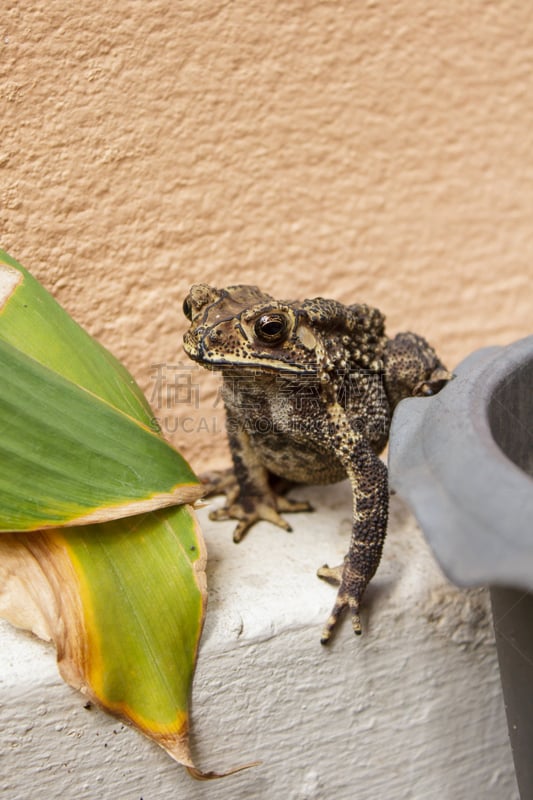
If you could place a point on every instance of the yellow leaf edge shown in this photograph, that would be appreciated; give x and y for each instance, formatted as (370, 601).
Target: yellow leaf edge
(183, 494)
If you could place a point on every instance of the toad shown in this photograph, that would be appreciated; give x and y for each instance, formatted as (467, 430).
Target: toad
(309, 389)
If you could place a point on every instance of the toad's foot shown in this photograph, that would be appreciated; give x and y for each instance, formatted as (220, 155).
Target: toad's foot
(352, 586)
(254, 509)
(436, 381)
(263, 503)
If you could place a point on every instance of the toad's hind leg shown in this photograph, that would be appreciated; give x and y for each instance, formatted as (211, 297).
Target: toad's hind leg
(218, 482)
(225, 482)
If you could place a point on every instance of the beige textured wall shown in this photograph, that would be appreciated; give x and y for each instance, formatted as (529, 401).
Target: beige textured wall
(368, 151)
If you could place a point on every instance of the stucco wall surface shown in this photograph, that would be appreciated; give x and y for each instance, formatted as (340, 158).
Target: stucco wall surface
(367, 151)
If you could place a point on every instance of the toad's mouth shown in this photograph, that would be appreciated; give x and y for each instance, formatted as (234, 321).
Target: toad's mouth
(271, 362)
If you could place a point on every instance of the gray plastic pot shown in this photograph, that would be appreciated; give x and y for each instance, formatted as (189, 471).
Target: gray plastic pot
(463, 461)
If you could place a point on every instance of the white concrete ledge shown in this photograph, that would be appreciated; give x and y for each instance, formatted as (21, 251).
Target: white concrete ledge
(412, 709)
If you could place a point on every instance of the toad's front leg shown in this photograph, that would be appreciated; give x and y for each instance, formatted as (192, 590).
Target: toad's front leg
(250, 497)
(368, 477)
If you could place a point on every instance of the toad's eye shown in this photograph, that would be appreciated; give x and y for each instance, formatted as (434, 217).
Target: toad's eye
(187, 308)
(271, 328)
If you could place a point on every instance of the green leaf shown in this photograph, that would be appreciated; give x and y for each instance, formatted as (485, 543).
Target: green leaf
(124, 600)
(34, 322)
(68, 457)
(76, 444)
(141, 568)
